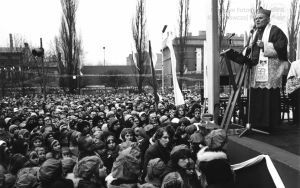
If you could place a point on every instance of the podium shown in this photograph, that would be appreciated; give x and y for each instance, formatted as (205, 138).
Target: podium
(242, 76)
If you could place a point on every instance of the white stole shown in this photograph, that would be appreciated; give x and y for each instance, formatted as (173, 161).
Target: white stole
(262, 72)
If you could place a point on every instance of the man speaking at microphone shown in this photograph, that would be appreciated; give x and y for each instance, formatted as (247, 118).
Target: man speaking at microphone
(269, 53)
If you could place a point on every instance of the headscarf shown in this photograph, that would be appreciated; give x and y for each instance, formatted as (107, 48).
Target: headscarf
(127, 164)
(87, 167)
(155, 169)
(26, 181)
(50, 170)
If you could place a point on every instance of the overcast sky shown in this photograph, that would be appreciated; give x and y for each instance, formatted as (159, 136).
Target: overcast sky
(108, 22)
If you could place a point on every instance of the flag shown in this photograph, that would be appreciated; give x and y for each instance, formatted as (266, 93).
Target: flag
(179, 100)
(156, 96)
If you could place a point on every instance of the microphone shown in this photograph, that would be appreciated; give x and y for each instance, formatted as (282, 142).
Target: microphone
(232, 34)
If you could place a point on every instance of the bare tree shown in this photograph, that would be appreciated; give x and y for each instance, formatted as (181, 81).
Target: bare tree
(224, 14)
(69, 44)
(183, 23)
(140, 41)
(293, 28)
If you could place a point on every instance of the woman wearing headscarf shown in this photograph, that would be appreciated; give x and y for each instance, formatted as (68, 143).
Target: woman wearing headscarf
(180, 166)
(155, 170)
(55, 150)
(91, 172)
(51, 175)
(115, 128)
(126, 169)
(160, 149)
(110, 153)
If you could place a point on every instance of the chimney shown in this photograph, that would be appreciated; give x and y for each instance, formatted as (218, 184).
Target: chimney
(11, 44)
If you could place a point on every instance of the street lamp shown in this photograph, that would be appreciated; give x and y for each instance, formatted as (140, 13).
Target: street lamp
(162, 59)
(104, 55)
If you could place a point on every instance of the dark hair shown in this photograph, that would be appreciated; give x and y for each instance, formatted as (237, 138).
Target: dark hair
(125, 131)
(159, 133)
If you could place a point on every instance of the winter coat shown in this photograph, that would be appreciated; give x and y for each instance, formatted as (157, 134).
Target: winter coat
(88, 184)
(216, 168)
(155, 151)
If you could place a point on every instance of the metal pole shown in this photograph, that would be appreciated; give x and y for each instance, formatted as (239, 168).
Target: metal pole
(43, 70)
(162, 60)
(213, 60)
(104, 55)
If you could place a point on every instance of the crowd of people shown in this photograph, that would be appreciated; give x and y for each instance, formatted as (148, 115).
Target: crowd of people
(120, 140)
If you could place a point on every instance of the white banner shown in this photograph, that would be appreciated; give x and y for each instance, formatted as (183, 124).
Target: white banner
(205, 73)
(199, 60)
(179, 100)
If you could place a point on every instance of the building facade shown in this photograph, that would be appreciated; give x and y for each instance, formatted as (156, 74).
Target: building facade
(194, 57)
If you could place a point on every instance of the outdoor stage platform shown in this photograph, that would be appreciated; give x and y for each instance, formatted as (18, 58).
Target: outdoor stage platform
(283, 147)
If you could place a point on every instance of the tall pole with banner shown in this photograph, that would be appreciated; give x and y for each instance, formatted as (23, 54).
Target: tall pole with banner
(213, 79)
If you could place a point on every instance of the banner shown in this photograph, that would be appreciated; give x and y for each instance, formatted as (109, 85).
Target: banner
(179, 100)
(257, 172)
(199, 60)
(205, 71)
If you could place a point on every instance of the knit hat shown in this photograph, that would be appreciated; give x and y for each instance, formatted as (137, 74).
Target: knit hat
(67, 165)
(141, 114)
(190, 129)
(163, 119)
(196, 138)
(88, 166)
(175, 120)
(53, 142)
(110, 114)
(22, 124)
(10, 180)
(50, 170)
(12, 128)
(23, 133)
(26, 181)
(173, 177)
(216, 139)
(127, 117)
(155, 168)
(127, 164)
(7, 120)
(180, 152)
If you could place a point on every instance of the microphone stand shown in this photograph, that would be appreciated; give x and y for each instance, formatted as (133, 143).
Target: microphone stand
(248, 124)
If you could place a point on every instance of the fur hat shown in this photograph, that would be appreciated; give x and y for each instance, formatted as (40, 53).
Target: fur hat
(215, 166)
(216, 139)
(179, 152)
